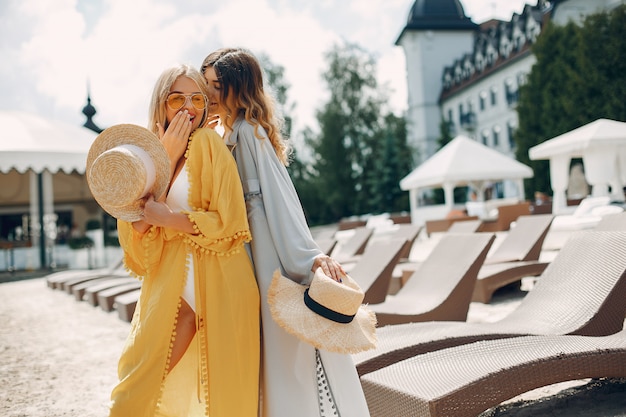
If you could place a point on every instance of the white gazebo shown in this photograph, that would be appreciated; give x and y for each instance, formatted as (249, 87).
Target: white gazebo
(39, 148)
(462, 162)
(602, 146)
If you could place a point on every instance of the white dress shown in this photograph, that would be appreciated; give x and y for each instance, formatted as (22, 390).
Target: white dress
(293, 380)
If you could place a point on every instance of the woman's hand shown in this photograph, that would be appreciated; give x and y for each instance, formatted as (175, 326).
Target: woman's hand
(212, 121)
(331, 267)
(156, 213)
(175, 138)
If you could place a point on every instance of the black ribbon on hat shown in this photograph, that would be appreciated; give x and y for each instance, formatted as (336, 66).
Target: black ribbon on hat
(325, 312)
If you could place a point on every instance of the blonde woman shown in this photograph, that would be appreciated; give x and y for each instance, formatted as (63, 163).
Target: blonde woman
(194, 343)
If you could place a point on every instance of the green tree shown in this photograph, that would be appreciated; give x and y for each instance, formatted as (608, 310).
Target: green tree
(391, 161)
(579, 77)
(279, 87)
(445, 132)
(360, 153)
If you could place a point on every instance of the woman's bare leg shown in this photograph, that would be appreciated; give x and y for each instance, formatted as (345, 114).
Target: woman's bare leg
(185, 331)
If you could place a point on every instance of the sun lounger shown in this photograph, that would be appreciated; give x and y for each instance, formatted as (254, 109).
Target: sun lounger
(466, 380)
(79, 289)
(580, 292)
(610, 222)
(85, 280)
(374, 269)
(106, 298)
(523, 242)
(91, 293)
(326, 244)
(125, 304)
(441, 288)
(443, 225)
(55, 280)
(468, 226)
(515, 258)
(355, 245)
(409, 233)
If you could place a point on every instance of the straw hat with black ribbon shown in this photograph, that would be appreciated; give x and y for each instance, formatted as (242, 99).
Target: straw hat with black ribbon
(125, 163)
(327, 314)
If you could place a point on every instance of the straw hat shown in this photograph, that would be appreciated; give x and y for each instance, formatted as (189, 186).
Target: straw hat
(327, 314)
(124, 164)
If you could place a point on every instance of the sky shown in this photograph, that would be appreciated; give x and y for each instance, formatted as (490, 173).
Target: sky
(53, 52)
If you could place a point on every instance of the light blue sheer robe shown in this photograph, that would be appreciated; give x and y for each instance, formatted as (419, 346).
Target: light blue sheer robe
(281, 239)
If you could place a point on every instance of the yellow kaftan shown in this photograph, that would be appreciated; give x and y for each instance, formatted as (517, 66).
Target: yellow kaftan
(219, 374)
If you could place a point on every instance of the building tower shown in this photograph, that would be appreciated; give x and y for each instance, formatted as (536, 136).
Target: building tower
(90, 111)
(436, 32)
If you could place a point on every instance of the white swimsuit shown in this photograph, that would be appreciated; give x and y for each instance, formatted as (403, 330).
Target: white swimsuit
(178, 200)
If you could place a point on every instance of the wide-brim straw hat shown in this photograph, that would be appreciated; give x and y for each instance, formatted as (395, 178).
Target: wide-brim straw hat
(125, 163)
(327, 314)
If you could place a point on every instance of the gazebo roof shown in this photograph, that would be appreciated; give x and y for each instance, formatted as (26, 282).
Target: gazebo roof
(602, 132)
(464, 161)
(31, 142)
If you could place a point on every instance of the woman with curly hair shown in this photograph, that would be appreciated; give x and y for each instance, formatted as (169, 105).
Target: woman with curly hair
(297, 379)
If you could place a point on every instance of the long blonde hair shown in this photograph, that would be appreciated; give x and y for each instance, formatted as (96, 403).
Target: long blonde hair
(157, 111)
(241, 79)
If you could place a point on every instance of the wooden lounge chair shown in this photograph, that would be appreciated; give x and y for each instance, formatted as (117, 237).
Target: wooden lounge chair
(374, 269)
(86, 280)
(409, 233)
(354, 246)
(106, 298)
(443, 225)
(55, 280)
(91, 292)
(465, 380)
(515, 258)
(79, 290)
(125, 304)
(468, 226)
(441, 288)
(580, 292)
(326, 244)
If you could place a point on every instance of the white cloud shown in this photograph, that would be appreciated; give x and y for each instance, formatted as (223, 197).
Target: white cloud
(50, 50)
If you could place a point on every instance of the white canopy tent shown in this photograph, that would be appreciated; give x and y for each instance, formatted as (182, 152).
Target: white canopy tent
(30, 142)
(462, 162)
(40, 147)
(602, 146)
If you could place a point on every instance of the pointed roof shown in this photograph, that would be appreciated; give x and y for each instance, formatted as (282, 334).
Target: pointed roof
(463, 161)
(438, 15)
(90, 111)
(602, 132)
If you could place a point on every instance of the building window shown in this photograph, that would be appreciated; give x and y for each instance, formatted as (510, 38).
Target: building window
(512, 93)
(494, 96)
(484, 137)
(510, 127)
(496, 136)
(449, 121)
(461, 113)
(522, 78)
(482, 99)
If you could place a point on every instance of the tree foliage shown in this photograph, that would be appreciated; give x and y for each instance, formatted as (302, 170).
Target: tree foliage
(354, 164)
(360, 153)
(579, 76)
(279, 88)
